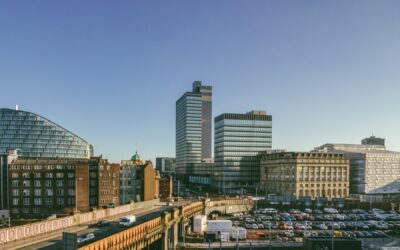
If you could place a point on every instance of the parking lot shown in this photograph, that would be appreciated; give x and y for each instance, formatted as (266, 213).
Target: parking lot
(293, 224)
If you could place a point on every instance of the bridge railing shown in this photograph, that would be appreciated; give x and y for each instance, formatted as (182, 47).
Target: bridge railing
(125, 238)
(229, 202)
(13, 234)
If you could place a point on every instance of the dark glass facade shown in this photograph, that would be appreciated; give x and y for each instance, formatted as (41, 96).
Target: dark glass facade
(238, 141)
(35, 136)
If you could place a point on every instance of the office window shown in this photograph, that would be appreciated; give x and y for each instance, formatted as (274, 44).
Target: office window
(14, 175)
(60, 175)
(38, 192)
(49, 201)
(60, 192)
(15, 201)
(37, 183)
(71, 192)
(48, 183)
(15, 183)
(38, 175)
(26, 192)
(37, 201)
(60, 183)
(49, 192)
(15, 192)
(26, 201)
(60, 201)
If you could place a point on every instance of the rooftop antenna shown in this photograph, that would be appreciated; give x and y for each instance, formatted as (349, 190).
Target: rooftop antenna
(16, 107)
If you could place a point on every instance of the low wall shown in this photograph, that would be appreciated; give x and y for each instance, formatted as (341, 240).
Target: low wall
(48, 226)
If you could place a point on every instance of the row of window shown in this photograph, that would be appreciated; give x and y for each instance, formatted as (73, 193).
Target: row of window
(42, 201)
(38, 192)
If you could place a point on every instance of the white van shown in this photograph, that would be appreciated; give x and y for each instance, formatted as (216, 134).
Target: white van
(127, 221)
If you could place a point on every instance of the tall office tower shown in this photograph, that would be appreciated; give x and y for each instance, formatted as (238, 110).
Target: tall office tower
(34, 136)
(193, 128)
(238, 141)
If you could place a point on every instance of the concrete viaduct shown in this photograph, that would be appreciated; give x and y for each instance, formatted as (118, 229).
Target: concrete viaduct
(165, 231)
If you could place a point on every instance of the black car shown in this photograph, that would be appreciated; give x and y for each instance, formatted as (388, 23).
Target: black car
(103, 223)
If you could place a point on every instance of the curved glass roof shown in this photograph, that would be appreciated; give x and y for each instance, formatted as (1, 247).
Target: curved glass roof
(36, 136)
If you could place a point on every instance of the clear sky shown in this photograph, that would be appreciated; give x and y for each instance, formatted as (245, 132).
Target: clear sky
(111, 71)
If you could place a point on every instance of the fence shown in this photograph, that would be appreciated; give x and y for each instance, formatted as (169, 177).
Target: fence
(39, 228)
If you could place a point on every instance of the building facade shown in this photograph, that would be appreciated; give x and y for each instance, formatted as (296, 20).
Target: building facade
(40, 187)
(166, 165)
(305, 174)
(372, 140)
(130, 187)
(139, 181)
(34, 136)
(372, 167)
(238, 141)
(166, 188)
(193, 128)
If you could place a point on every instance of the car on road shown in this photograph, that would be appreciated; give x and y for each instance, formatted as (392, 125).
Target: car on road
(85, 238)
(103, 223)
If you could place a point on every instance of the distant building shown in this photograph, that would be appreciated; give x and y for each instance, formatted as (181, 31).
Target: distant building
(372, 167)
(139, 181)
(372, 140)
(238, 140)
(193, 128)
(166, 165)
(34, 136)
(305, 174)
(129, 183)
(166, 187)
(202, 175)
(42, 186)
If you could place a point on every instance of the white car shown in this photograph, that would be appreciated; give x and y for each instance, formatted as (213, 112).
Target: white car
(85, 238)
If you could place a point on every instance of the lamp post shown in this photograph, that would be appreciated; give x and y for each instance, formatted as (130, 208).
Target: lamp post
(332, 236)
(237, 237)
(269, 236)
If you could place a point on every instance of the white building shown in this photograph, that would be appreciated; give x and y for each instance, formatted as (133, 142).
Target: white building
(372, 167)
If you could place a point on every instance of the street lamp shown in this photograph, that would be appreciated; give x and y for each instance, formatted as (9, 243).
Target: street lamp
(332, 236)
(269, 236)
(237, 237)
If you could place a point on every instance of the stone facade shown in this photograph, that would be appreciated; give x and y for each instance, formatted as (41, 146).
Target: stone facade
(305, 174)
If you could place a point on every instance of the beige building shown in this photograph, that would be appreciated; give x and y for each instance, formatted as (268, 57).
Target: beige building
(305, 174)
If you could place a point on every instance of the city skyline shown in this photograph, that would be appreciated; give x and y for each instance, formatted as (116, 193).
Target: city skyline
(327, 73)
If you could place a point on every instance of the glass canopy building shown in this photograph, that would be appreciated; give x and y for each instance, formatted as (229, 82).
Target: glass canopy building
(36, 136)
(25, 134)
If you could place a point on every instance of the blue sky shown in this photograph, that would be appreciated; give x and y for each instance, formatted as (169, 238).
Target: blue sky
(111, 71)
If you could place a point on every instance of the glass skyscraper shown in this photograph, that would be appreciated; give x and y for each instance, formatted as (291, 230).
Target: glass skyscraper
(36, 136)
(193, 128)
(238, 141)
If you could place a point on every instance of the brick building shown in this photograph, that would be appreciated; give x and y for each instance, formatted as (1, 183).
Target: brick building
(43, 186)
